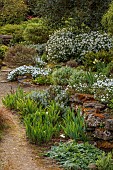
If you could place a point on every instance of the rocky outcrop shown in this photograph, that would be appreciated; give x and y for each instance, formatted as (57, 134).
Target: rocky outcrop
(97, 117)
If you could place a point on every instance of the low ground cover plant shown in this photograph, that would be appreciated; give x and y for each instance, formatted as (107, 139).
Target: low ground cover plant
(27, 70)
(105, 161)
(56, 93)
(71, 155)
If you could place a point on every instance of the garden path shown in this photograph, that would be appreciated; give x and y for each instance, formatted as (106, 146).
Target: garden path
(16, 153)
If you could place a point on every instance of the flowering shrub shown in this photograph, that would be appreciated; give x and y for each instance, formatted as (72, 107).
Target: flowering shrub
(60, 46)
(93, 41)
(63, 45)
(22, 70)
(103, 89)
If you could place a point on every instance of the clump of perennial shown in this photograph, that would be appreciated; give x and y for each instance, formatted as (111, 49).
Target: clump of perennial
(23, 70)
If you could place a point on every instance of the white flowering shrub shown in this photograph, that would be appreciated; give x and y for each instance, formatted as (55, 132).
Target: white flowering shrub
(60, 46)
(103, 89)
(23, 70)
(94, 41)
(63, 45)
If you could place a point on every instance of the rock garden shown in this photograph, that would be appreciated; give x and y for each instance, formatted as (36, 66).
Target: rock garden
(67, 64)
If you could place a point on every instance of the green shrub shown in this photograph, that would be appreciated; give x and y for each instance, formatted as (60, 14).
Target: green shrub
(105, 162)
(107, 19)
(43, 80)
(3, 49)
(19, 55)
(92, 59)
(61, 76)
(36, 32)
(15, 30)
(108, 70)
(12, 11)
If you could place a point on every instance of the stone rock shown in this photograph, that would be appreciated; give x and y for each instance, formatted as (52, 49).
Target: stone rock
(92, 166)
(109, 124)
(103, 134)
(93, 121)
(88, 110)
(5, 39)
(105, 144)
(84, 97)
(94, 104)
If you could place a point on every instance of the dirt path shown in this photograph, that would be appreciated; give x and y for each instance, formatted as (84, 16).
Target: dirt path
(16, 153)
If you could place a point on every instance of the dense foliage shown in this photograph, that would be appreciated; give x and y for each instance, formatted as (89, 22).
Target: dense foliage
(12, 11)
(75, 156)
(60, 43)
(64, 45)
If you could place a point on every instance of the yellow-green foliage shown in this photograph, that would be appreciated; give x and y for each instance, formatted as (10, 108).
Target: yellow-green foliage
(36, 32)
(9, 29)
(12, 11)
(14, 30)
(91, 59)
(3, 49)
(107, 19)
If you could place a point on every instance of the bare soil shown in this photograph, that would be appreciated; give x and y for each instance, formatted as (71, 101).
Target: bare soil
(16, 153)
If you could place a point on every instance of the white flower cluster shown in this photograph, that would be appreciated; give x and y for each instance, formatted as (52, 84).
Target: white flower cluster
(61, 45)
(22, 70)
(93, 41)
(103, 89)
(40, 62)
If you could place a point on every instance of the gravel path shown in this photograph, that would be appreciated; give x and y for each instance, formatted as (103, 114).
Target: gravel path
(16, 153)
